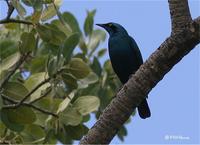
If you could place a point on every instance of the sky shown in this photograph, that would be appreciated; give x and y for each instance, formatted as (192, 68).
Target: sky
(174, 102)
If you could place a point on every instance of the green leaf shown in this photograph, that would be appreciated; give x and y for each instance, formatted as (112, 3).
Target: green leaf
(50, 33)
(58, 2)
(64, 104)
(62, 27)
(11, 26)
(20, 9)
(15, 90)
(96, 66)
(50, 137)
(102, 52)
(15, 119)
(81, 56)
(21, 115)
(7, 48)
(58, 36)
(46, 1)
(83, 46)
(121, 133)
(70, 116)
(9, 61)
(33, 81)
(78, 68)
(76, 132)
(52, 66)
(86, 104)
(95, 39)
(33, 134)
(2, 128)
(69, 45)
(89, 21)
(71, 21)
(60, 91)
(37, 64)
(90, 79)
(49, 103)
(86, 118)
(69, 81)
(36, 4)
(28, 2)
(8, 122)
(108, 67)
(48, 13)
(44, 32)
(63, 137)
(35, 18)
(1, 102)
(28, 42)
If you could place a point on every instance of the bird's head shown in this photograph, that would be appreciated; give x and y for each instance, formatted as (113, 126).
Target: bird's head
(113, 28)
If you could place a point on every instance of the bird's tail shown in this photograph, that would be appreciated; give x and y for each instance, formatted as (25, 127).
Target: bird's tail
(143, 110)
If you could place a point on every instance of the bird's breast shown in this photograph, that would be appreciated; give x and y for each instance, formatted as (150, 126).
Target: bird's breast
(122, 57)
(119, 46)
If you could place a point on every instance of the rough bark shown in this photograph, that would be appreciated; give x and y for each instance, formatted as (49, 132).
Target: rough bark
(180, 14)
(185, 36)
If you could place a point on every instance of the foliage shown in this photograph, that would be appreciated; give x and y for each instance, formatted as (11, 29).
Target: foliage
(64, 62)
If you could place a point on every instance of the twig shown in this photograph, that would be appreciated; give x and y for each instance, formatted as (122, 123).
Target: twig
(31, 92)
(42, 96)
(29, 105)
(4, 21)
(12, 71)
(7, 2)
(10, 9)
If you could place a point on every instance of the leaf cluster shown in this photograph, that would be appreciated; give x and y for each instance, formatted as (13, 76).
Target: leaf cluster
(80, 80)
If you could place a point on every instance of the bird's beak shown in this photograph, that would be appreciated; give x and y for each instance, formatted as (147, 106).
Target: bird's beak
(102, 25)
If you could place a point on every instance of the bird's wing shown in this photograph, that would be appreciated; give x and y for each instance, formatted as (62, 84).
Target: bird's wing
(136, 50)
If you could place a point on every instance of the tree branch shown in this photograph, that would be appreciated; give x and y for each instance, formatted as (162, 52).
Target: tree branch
(180, 14)
(29, 105)
(13, 70)
(5, 21)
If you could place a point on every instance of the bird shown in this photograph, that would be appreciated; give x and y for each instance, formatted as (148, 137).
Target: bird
(125, 58)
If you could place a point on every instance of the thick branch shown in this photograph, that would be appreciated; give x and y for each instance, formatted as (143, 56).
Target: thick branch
(29, 105)
(171, 51)
(180, 14)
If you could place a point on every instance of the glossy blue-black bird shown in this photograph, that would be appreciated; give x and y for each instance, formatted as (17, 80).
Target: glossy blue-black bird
(125, 57)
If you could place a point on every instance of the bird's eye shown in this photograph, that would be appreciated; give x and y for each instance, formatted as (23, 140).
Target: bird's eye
(110, 25)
